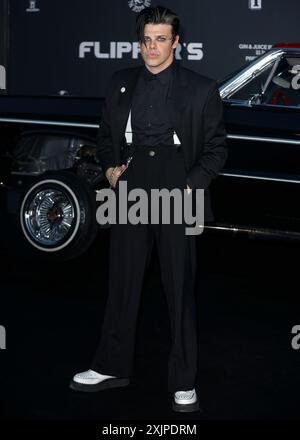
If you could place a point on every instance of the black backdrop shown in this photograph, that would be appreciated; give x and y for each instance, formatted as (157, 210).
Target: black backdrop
(75, 45)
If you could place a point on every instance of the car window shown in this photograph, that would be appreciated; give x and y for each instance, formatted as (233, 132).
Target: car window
(253, 85)
(284, 88)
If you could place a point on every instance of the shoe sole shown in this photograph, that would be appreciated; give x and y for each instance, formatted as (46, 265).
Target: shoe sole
(104, 385)
(185, 407)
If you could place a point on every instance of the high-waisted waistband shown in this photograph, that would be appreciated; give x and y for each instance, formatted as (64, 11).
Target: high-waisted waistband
(176, 147)
(146, 148)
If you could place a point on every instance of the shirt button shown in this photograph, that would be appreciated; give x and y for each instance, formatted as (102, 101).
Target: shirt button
(151, 153)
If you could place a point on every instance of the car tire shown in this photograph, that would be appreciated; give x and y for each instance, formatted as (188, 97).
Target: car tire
(57, 216)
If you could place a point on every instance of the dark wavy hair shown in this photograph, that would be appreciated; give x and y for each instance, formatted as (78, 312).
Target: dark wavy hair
(156, 15)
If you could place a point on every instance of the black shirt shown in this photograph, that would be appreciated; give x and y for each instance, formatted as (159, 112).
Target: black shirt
(149, 116)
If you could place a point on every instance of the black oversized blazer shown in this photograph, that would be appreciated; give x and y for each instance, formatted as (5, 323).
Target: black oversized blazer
(196, 112)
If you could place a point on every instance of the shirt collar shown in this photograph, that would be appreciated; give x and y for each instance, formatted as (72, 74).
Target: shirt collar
(163, 76)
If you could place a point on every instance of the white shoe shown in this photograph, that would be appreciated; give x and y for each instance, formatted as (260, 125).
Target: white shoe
(185, 401)
(90, 377)
(90, 380)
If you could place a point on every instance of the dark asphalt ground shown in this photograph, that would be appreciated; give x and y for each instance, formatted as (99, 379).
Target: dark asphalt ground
(248, 300)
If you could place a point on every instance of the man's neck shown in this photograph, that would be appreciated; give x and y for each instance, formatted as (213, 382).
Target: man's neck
(157, 69)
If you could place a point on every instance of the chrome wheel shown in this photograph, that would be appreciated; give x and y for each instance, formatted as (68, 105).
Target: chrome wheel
(50, 215)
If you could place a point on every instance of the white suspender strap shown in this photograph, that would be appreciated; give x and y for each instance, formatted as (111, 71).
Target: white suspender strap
(128, 131)
(176, 139)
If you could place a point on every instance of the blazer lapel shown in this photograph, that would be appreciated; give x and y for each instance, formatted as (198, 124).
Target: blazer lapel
(177, 103)
(177, 99)
(125, 99)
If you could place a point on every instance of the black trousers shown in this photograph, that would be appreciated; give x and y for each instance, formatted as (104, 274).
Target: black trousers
(129, 255)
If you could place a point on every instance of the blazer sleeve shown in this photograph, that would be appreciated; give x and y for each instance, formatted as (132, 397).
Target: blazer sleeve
(214, 152)
(104, 144)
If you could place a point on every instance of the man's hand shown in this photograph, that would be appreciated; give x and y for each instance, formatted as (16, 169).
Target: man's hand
(114, 178)
(189, 190)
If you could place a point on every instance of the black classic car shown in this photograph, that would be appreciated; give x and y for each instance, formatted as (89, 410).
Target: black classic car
(49, 174)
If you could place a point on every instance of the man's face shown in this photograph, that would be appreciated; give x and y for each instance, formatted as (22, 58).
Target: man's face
(157, 53)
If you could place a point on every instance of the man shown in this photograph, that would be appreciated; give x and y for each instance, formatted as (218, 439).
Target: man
(178, 141)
